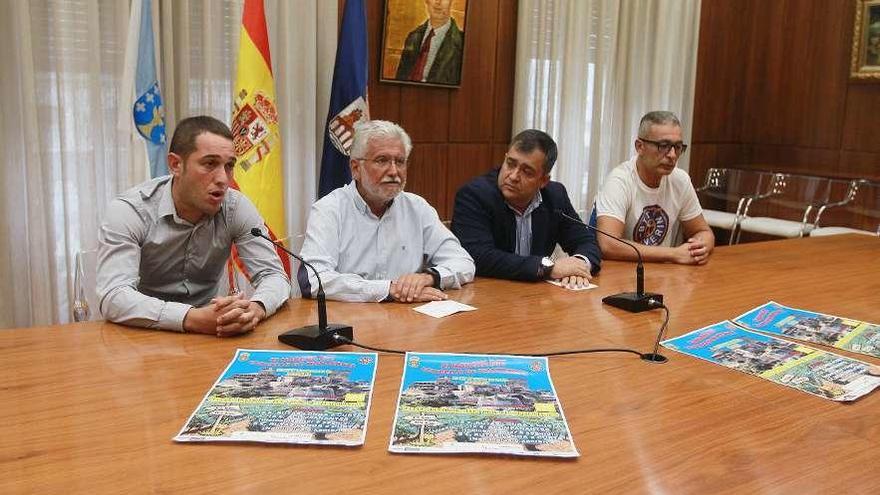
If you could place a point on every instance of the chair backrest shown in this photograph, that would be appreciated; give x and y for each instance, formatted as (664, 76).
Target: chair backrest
(733, 183)
(85, 305)
(869, 205)
(858, 208)
(867, 199)
(798, 191)
(791, 196)
(774, 184)
(723, 188)
(715, 179)
(842, 191)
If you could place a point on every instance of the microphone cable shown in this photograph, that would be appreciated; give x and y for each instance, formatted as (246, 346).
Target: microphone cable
(652, 357)
(346, 340)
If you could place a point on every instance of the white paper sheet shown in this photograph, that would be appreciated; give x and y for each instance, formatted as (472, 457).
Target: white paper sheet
(440, 309)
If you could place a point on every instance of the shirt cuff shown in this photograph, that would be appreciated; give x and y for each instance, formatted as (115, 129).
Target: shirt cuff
(172, 315)
(383, 291)
(447, 277)
(270, 306)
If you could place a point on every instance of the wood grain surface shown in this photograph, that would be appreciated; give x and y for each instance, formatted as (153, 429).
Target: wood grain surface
(92, 407)
(773, 91)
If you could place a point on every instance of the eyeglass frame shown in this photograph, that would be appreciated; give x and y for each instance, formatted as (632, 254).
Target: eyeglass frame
(680, 148)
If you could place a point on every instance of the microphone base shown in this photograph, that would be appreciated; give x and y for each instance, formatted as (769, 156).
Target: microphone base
(633, 302)
(311, 338)
(655, 358)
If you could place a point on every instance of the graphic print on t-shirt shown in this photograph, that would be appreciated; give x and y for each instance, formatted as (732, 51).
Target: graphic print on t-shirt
(652, 226)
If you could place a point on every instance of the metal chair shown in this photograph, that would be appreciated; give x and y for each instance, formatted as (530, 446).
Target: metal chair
(788, 211)
(725, 187)
(857, 213)
(85, 305)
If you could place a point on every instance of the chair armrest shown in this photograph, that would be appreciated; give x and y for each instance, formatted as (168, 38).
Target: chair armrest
(850, 196)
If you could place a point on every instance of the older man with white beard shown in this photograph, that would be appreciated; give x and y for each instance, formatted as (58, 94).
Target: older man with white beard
(371, 241)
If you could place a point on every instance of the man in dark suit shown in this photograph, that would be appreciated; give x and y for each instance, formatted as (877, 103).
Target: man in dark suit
(432, 52)
(509, 220)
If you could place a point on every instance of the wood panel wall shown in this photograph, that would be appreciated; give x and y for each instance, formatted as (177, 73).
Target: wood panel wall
(773, 90)
(457, 133)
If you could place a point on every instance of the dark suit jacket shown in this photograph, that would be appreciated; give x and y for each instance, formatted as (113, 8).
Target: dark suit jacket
(486, 227)
(447, 63)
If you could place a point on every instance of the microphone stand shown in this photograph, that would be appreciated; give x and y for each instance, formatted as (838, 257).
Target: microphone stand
(318, 337)
(634, 302)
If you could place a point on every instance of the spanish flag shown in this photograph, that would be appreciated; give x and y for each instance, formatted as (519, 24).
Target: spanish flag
(255, 130)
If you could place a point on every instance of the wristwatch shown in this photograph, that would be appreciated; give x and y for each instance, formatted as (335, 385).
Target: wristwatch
(434, 275)
(546, 268)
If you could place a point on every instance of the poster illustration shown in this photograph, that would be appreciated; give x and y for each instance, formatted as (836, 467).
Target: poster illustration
(287, 397)
(809, 370)
(798, 324)
(456, 403)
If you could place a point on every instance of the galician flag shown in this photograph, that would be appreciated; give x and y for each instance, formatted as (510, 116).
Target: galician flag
(256, 136)
(140, 81)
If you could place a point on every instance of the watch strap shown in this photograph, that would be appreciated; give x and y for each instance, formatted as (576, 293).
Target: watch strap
(434, 275)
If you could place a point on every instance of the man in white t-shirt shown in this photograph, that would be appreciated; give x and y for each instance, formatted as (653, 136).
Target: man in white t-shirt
(645, 198)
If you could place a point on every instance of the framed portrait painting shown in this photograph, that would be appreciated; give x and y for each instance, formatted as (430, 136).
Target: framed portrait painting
(866, 41)
(423, 42)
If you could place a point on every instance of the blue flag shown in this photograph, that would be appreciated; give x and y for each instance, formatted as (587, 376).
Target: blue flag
(148, 112)
(348, 98)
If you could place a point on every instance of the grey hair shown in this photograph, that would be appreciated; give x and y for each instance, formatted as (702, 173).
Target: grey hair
(657, 117)
(364, 132)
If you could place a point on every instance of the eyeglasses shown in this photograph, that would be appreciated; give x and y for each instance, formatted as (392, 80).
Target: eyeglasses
(664, 146)
(385, 161)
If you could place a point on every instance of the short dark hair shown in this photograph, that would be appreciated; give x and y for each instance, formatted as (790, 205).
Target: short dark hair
(657, 117)
(184, 140)
(530, 139)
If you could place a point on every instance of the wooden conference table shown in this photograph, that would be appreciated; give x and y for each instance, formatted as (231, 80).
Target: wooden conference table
(92, 407)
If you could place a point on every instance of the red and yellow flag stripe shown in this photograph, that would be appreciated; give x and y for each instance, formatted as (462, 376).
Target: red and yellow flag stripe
(255, 127)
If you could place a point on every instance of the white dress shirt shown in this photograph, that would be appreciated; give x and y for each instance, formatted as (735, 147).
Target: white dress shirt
(358, 254)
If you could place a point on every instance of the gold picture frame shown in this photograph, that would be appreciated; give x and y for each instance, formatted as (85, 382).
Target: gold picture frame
(405, 31)
(866, 41)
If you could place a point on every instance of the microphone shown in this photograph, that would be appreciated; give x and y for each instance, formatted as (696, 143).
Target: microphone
(318, 337)
(634, 302)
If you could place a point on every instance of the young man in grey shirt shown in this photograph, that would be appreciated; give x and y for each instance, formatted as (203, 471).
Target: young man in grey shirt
(164, 244)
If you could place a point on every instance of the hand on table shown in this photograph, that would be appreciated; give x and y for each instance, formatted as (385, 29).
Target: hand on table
(415, 287)
(225, 316)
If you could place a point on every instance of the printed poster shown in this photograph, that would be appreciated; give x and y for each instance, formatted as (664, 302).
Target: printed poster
(810, 370)
(456, 403)
(834, 331)
(287, 397)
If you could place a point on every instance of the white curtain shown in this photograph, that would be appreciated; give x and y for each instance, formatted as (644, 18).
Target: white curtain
(64, 159)
(587, 70)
